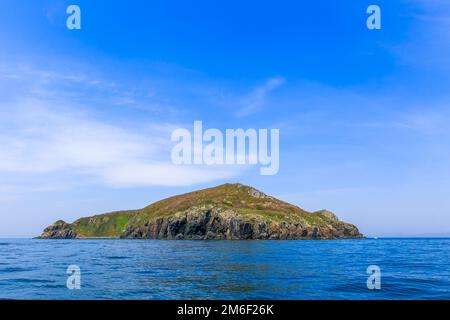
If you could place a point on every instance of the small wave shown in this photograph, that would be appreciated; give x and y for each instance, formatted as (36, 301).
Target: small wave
(349, 288)
(116, 257)
(14, 269)
(26, 280)
(146, 272)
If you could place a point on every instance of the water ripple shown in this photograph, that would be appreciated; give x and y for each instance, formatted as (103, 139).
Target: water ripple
(122, 269)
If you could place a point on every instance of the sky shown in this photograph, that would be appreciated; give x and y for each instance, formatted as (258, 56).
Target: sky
(86, 115)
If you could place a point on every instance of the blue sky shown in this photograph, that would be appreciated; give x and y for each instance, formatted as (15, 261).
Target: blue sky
(86, 115)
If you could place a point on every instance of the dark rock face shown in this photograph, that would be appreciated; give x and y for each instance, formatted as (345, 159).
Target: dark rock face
(228, 211)
(58, 230)
(217, 224)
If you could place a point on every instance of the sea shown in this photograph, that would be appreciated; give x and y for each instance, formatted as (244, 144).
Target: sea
(385, 268)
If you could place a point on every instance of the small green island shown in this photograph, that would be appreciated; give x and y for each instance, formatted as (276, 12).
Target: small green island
(228, 211)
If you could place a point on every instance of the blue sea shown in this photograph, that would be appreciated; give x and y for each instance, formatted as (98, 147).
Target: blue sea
(147, 269)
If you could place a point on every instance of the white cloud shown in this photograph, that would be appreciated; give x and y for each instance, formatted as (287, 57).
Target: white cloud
(163, 174)
(51, 140)
(42, 141)
(257, 98)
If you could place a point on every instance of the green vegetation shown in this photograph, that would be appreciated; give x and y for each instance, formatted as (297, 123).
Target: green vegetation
(249, 202)
(276, 216)
(106, 225)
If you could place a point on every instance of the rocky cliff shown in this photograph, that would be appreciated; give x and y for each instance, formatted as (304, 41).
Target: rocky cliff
(230, 211)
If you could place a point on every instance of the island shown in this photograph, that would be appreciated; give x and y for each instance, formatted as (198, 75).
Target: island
(229, 211)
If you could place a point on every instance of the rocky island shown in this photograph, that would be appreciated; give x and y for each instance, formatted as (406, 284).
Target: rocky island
(229, 211)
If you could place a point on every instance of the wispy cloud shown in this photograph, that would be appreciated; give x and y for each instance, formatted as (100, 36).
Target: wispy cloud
(257, 98)
(49, 133)
(427, 45)
(39, 140)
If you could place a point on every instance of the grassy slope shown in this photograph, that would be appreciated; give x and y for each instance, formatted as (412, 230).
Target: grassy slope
(228, 196)
(105, 225)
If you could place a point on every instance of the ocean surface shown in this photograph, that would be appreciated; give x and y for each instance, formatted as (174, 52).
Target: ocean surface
(147, 269)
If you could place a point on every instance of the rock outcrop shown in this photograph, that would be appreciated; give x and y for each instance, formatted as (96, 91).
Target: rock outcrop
(58, 230)
(215, 223)
(230, 211)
